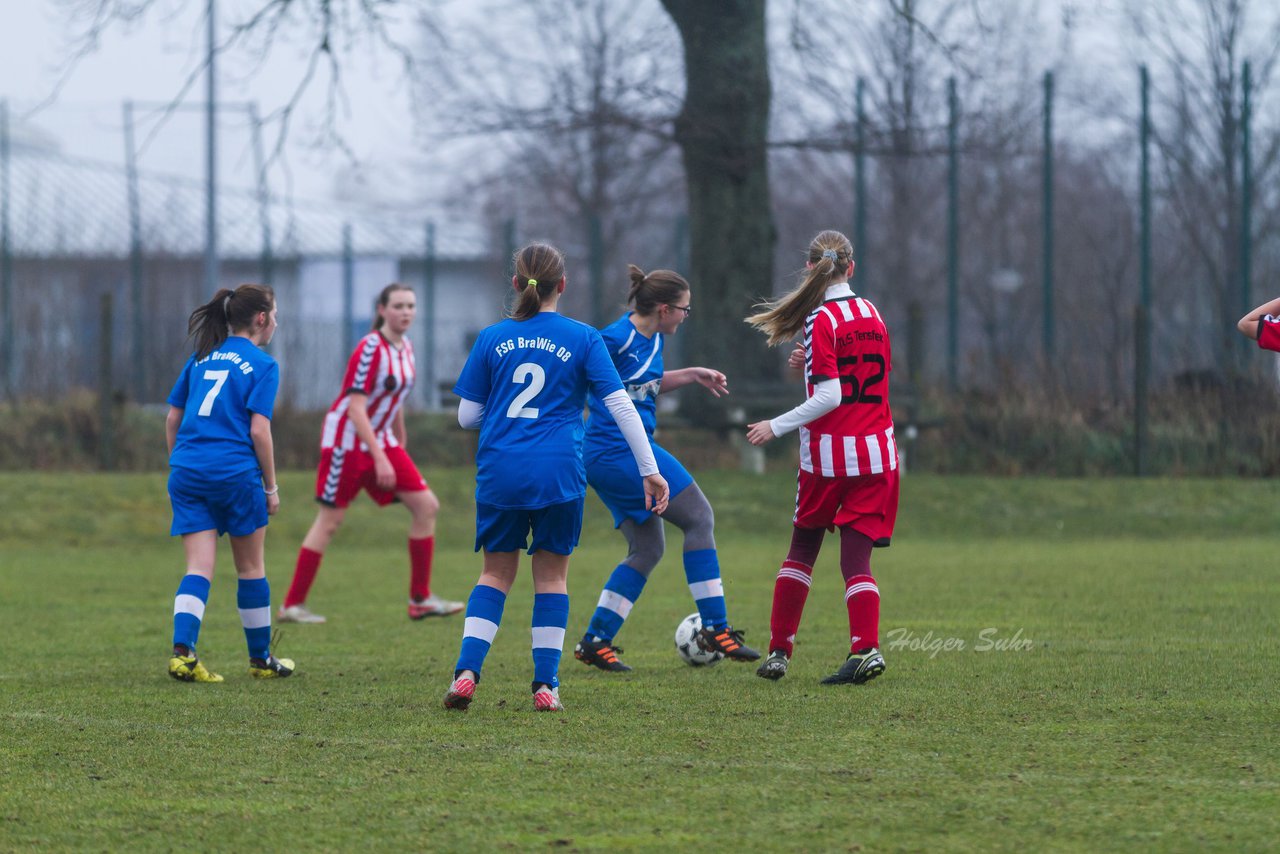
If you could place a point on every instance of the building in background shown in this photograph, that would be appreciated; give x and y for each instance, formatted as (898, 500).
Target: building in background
(70, 243)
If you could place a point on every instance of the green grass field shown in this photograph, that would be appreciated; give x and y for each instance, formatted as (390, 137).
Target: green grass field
(1142, 714)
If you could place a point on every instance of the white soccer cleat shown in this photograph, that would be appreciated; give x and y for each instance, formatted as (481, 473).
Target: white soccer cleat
(298, 614)
(547, 700)
(432, 606)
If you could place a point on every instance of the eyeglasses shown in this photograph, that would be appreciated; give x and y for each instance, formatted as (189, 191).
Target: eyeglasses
(687, 309)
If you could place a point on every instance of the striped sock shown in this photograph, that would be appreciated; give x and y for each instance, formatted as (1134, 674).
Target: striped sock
(484, 615)
(550, 616)
(188, 610)
(616, 600)
(790, 591)
(862, 598)
(702, 571)
(253, 598)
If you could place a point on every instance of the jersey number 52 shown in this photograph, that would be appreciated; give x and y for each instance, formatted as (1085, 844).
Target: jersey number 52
(861, 392)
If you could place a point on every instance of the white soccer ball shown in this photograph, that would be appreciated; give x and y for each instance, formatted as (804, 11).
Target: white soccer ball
(687, 643)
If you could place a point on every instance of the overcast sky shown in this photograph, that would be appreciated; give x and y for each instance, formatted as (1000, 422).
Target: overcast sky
(150, 62)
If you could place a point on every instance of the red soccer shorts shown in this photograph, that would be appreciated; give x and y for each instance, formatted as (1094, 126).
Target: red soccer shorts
(342, 474)
(868, 504)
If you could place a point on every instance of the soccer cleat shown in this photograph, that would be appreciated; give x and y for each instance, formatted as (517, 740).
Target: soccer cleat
(727, 642)
(432, 606)
(271, 668)
(547, 700)
(600, 654)
(188, 668)
(775, 666)
(460, 694)
(298, 614)
(861, 666)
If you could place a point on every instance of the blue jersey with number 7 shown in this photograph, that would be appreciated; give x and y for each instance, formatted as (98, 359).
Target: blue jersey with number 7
(533, 377)
(218, 396)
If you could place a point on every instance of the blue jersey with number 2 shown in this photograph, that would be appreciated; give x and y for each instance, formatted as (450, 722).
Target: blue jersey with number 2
(218, 396)
(533, 377)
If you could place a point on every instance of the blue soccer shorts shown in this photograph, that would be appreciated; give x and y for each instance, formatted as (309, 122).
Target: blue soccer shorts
(616, 480)
(555, 528)
(236, 506)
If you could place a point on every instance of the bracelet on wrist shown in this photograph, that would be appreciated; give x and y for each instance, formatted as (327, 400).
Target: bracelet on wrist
(273, 490)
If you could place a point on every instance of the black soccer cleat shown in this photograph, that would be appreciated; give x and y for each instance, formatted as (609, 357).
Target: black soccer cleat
(271, 667)
(600, 654)
(774, 667)
(727, 642)
(861, 666)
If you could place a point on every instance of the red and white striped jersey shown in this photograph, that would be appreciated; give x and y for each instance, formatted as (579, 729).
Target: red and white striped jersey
(845, 339)
(384, 374)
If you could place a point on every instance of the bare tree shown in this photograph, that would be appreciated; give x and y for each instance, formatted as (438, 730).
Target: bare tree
(572, 102)
(1197, 49)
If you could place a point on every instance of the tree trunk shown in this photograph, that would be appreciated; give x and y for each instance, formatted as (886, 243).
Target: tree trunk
(722, 132)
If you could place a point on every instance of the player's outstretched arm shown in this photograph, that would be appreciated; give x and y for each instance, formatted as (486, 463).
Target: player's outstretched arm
(1248, 325)
(709, 378)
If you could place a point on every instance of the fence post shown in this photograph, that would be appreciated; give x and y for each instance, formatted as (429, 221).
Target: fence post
(139, 366)
(106, 387)
(1048, 219)
(1246, 202)
(1142, 331)
(348, 289)
(264, 195)
(1141, 368)
(211, 157)
(7, 351)
(860, 186)
(953, 236)
(429, 310)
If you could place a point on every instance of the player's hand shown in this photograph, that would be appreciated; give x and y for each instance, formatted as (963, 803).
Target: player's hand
(795, 361)
(384, 474)
(273, 504)
(656, 493)
(712, 380)
(759, 433)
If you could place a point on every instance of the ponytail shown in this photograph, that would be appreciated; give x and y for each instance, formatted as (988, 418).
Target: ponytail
(650, 290)
(782, 319)
(229, 311)
(539, 271)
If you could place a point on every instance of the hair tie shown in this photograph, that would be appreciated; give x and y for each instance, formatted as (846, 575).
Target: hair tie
(533, 283)
(829, 253)
(226, 303)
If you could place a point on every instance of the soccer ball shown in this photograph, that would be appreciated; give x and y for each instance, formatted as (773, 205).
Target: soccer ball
(687, 643)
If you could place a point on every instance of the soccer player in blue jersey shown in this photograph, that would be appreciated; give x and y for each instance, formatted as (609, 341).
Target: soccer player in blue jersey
(524, 386)
(635, 343)
(222, 473)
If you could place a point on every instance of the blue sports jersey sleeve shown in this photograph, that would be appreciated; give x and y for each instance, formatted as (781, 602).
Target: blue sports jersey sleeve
(178, 397)
(474, 383)
(601, 374)
(262, 399)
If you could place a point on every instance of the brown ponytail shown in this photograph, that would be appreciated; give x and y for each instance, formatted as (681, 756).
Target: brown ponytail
(539, 269)
(650, 290)
(229, 311)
